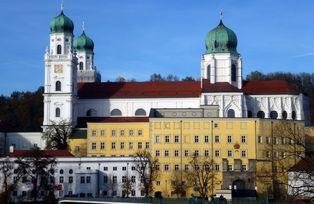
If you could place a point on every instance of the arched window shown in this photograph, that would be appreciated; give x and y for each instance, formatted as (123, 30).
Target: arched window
(273, 114)
(260, 114)
(293, 115)
(231, 113)
(59, 49)
(58, 86)
(61, 171)
(284, 115)
(91, 113)
(115, 112)
(140, 111)
(81, 65)
(58, 112)
(208, 72)
(249, 114)
(233, 73)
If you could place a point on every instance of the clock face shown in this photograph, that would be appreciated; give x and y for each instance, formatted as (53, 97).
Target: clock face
(58, 68)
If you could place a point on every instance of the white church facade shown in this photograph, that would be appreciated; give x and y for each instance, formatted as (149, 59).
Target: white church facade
(73, 87)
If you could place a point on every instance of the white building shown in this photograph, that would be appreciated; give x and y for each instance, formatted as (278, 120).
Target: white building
(86, 177)
(73, 89)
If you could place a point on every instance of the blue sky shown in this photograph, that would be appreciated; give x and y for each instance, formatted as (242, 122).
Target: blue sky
(135, 38)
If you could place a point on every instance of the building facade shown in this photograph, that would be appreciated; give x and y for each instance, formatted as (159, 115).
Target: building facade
(73, 89)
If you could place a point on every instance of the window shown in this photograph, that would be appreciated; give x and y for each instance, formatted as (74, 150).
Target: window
(217, 139)
(208, 72)
(176, 139)
(157, 167)
(58, 86)
(282, 140)
(166, 167)
(140, 132)
(91, 113)
(273, 114)
(196, 139)
(140, 112)
(196, 153)
(268, 154)
(206, 153)
(267, 140)
(57, 112)
(115, 112)
(260, 114)
(229, 153)
(233, 73)
(113, 145)
(293, 115)
(147, 145)
(206, 139)
(82, 179)
(81, 65)
(167, 139)
(217, 167)
(176, 167)
(102, 132)
(61, 171)
(113, 133)
(157, 153)
(176, 153)
(243, 139)
(186, 153)
(102, 145)
(284, 115)
(139, 145)
(229, 167)
(131, 132)
(186, 167)
(249, 114)
(123, 179)
(70, 179)
(133, 179)
(157, 139)
(122, 132)
(87, 179)
(59, 50)
(124, 168)
(114, 168)
(130, 145)
(105, 168)
(94, 145)
(61, 179)
(122, 145)
(229, 139)
(166, 153)
(217, 153)
(93, 132)
(230, 113)
(114, 179)
(259, 139)
(243, 153)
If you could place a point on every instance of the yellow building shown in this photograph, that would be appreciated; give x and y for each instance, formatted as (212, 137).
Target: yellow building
(117, 136)
(238, 147)
(247, 152)
(78, 142)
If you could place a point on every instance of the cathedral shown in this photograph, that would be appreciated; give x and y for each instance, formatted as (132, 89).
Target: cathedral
(73, 87)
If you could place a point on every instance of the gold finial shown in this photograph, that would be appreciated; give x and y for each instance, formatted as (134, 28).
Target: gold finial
(220, 16)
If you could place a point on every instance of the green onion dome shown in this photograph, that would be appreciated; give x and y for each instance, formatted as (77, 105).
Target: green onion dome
(221, 40)
(61, 24)
(83, 43)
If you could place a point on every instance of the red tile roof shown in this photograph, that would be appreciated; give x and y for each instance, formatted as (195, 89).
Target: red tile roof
(179, 89)
(82, 121)
(43, 153)
(162, 89)
(218, 87)
(270, 87)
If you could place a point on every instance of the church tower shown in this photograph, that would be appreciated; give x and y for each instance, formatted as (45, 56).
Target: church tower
(84, 47)
(60, 73)
(222, 62)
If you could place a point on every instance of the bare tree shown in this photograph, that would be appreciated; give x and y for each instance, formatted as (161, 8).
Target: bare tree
(145, 165)
(285, 147)
(201, 176)
(57, 135)
(120, 79)
(38, 172)
(178, 186)
(9, 178)
(127, 186)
